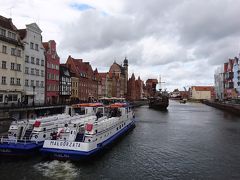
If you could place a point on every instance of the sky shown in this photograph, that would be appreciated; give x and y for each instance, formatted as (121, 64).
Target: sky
(181, 41)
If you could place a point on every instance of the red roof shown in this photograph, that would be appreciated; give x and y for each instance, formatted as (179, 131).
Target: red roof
(203, 88)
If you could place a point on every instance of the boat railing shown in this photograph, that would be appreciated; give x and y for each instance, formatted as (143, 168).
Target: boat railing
(5, 139)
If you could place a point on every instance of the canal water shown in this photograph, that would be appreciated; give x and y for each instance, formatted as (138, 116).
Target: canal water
(189, 141)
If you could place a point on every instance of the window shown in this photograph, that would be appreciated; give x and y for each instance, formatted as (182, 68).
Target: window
(52, 76)
(27, 59)
(18, 67)
(12, 97)
(18, 81)
(53, 66)
(36, 47)
(57, 67)
(37, 72)
(32, 71)
(12, 81)
(4, 80)
(48, 76)
(12, 66)
(13, 36)
(41, 83)
(19, 53)
(1, 98)
(13, 51)
(4, 49)
(32, 60)
(31, 45)
(42, 62)
(26, 82)
(26, 70)
(42, 73)
(2, 32)
(32, 82)
(37, 61)
(37, 83)
(4, 65)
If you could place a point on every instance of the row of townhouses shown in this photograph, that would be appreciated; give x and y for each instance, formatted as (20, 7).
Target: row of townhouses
(227, 80)
(31, 73)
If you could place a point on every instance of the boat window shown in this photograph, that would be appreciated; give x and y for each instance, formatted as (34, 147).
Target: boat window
(80, 111)
(74, 125)
(44, 129)
(89, 140)
(96, 131)
(117, 128)
(71, 132)
(44, 136)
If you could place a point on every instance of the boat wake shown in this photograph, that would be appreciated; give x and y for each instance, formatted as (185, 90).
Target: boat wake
(57, 169)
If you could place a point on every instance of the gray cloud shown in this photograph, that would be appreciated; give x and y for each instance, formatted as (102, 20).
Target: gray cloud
(191, 35)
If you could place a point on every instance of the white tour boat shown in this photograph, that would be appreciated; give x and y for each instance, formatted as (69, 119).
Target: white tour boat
(85, 138)
(26, 137)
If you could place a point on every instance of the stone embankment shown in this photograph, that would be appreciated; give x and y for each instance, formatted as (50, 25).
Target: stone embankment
(226, 106)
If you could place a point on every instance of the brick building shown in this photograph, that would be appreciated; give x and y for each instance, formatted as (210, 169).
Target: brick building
(88, 82)
(114, 83)
(135, 89)
(151, 87)
(52, 73)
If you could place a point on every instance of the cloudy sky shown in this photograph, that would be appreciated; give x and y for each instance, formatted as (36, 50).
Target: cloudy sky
(183, 41)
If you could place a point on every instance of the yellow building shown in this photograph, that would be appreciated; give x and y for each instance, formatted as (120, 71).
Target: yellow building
(11, 64)
(75, 94)
(201, 92)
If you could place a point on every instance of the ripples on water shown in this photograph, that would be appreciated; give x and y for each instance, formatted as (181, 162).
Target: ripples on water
(57, 169)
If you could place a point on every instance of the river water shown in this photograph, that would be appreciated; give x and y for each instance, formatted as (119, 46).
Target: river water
(189, 141)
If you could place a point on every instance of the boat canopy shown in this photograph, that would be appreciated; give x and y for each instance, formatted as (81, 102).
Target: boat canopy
(87, 105)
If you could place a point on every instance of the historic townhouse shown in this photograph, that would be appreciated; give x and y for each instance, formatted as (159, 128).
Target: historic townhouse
(228, 79)
(65, 84)
(34, 64)
(88, 83)
(11, 64)
(52, 73)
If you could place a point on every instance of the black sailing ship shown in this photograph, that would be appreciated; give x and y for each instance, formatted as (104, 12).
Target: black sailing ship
(159, 99)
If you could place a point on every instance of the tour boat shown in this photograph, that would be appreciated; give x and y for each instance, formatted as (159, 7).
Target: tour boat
(26, 137)
(83, 139)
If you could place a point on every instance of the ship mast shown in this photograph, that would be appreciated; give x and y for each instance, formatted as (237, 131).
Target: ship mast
(160, 82)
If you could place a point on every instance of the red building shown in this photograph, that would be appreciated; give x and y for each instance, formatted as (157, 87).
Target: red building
(135, 89)
(151, 87)
(52, 73)
(228, 79)
(88, 81)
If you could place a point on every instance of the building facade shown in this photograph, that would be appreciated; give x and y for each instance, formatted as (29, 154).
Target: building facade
(11, 64)
(228, 79)
(219, 83)
(75, 88)
(65, 84)
(236, 78)
(202, 92)
(52, 73)
(88, 82)
(34, 60)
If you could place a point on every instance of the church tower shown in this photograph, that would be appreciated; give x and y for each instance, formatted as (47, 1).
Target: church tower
(125, 66)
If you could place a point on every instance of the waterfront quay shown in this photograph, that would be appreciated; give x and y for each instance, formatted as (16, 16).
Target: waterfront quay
(188, 141)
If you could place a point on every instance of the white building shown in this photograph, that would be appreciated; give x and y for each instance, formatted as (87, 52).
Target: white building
(34, 70)
(219, 83)
(201, 92)
(11, 64)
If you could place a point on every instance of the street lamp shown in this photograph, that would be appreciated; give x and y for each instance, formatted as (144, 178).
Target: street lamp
(33, 95)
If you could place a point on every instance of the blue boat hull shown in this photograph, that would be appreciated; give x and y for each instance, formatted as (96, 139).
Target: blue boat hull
(19, 149)
(80, 155)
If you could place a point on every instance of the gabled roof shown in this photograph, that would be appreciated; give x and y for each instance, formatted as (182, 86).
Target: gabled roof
(7, 23)
(45, 45)
(34, 26)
